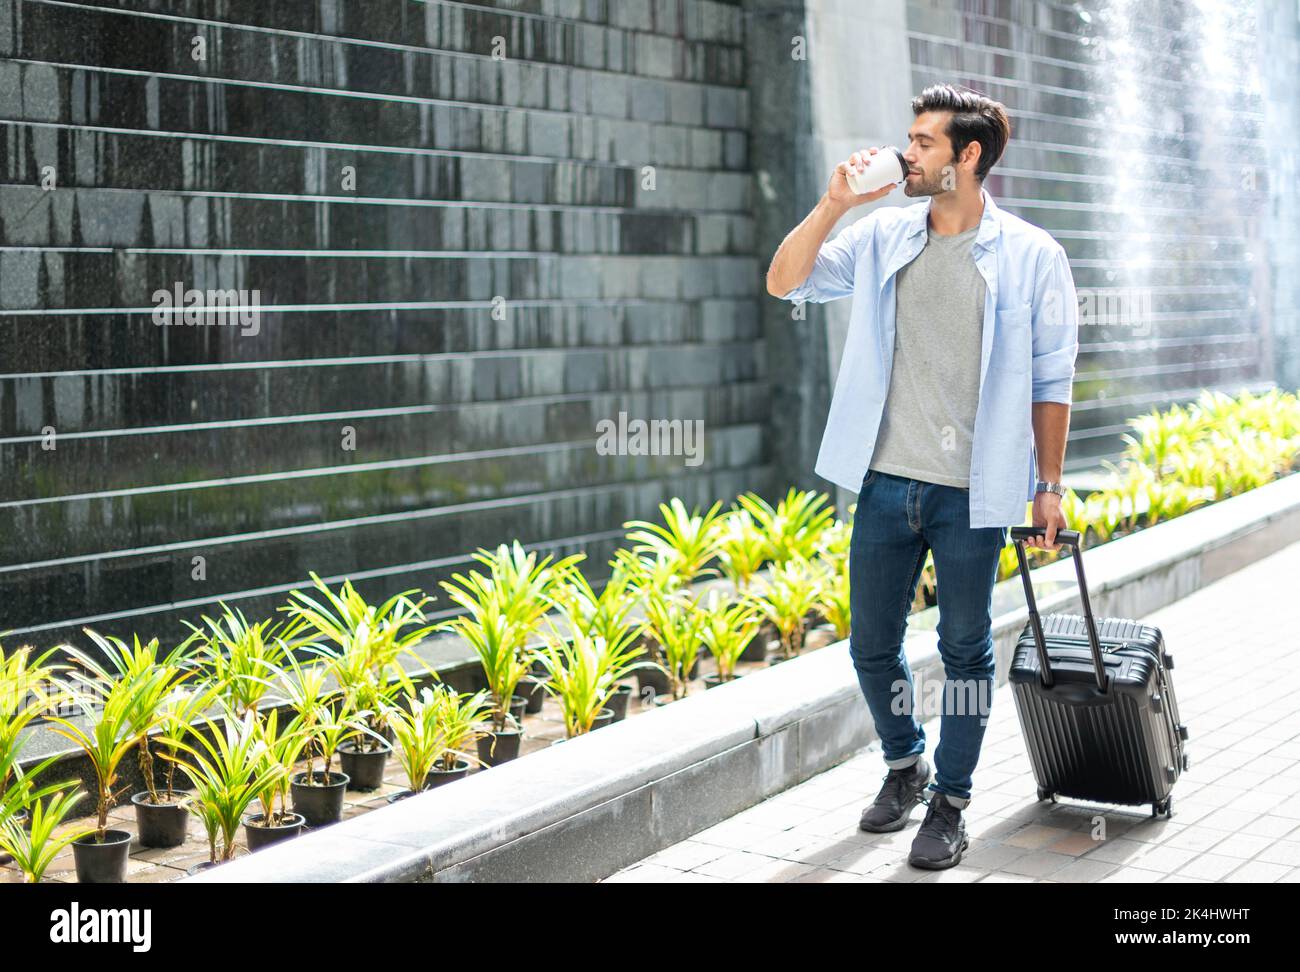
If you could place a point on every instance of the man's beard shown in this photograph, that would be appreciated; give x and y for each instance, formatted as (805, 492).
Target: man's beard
(925, 186)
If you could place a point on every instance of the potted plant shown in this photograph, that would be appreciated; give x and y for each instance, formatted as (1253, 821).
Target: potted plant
(793, 528)
(370, 644)
(676, 621)
(607, 617)
(228, 774)
(28, 690)
(160, 811)
(791, 590)
(115, 721)
(690, 541)
(240, 658)
(504, 609)
(365, 757)
(381, 634)
(160, 815)
(581, 680)
(458, 716)
(325, 720)
(417, 739)
(621, 647)
(34, 847)
(497, 644)
(833, 598)
(726, 632)
(652, 579)
(742, 548)
(279, 750)
(318, 796)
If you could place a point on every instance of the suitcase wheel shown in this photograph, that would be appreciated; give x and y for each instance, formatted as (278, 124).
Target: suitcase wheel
(1046, 794)
(1165, 806)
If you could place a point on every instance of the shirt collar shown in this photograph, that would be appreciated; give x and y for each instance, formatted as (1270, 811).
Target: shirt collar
(990, 225)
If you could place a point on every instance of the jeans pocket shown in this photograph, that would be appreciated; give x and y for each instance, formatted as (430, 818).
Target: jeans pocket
(870, 478)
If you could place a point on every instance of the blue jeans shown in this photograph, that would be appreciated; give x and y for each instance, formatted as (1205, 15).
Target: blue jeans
(896, 522)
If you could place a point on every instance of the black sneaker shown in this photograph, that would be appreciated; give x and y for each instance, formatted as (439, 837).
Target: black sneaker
(893, 805)
(942, 836)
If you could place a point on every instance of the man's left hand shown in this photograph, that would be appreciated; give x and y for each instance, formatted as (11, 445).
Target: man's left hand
(1048, 518)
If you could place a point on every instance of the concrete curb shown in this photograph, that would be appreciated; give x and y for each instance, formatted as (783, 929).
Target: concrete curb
(582, 810)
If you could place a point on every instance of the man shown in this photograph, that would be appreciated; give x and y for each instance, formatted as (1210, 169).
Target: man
(950, 411)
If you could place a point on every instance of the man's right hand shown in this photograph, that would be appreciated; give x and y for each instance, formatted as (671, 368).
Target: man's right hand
(839, 192)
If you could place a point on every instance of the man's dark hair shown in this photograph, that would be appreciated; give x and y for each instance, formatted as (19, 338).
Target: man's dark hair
(975, 118)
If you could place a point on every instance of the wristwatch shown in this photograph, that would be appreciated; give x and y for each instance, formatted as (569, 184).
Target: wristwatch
(1043, 487)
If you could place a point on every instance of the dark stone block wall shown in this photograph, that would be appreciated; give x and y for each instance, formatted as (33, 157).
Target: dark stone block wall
(461, 264)
(478, 229)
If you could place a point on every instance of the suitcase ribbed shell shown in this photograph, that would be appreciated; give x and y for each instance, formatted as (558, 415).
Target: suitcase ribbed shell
(1122, 746)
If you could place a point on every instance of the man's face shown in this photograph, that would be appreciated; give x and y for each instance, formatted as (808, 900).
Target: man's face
(933, 167)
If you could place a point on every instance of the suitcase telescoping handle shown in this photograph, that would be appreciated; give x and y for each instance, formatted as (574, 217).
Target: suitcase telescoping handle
(1071, 539)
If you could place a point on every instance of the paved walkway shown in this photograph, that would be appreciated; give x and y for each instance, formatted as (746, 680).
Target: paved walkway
(1236, 817)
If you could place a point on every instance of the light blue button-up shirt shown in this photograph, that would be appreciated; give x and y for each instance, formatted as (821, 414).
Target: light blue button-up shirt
(1030, 339)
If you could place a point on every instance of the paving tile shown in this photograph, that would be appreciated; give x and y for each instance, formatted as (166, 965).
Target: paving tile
(1281, 852)
(686, 855)
(733, 835)
(994, 857)
(778, 816)
(898, 872)
(1073, 844)
(1132, 875)
(961, 874)
(733, 865)
(1037, 863)
(1269, 825)
(1118, 850)
(782, 844)
(864, 860)
(1034, 837)
(1257, 872)
(823, 875)
(821, 851)
(779, 872)
(1211, 867)
(1243, 845)
(643, 872)
(1083, 871)
(1167, 860)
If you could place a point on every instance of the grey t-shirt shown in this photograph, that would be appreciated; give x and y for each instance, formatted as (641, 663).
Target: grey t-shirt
(929, 417)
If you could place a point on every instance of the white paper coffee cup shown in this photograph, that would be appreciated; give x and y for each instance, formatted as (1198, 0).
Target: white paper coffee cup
(884, 168)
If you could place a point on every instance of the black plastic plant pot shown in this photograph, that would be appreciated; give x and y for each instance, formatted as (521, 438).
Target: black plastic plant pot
(518, 704)
(23, 818)
(652, 678)
(364, 768)
(756, 650)
(320, 802)
(441, 777)
(160, 824)
(532, 689)
(538, 669)
(507, 746)
(258, 836)
(661, 700)
(102, 862)
(713, 681)
(400, 795)
(202, 866)
(618, 702)
(603, 718)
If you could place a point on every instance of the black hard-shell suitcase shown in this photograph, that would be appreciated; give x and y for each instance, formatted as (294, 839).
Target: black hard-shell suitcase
(1096, 701)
